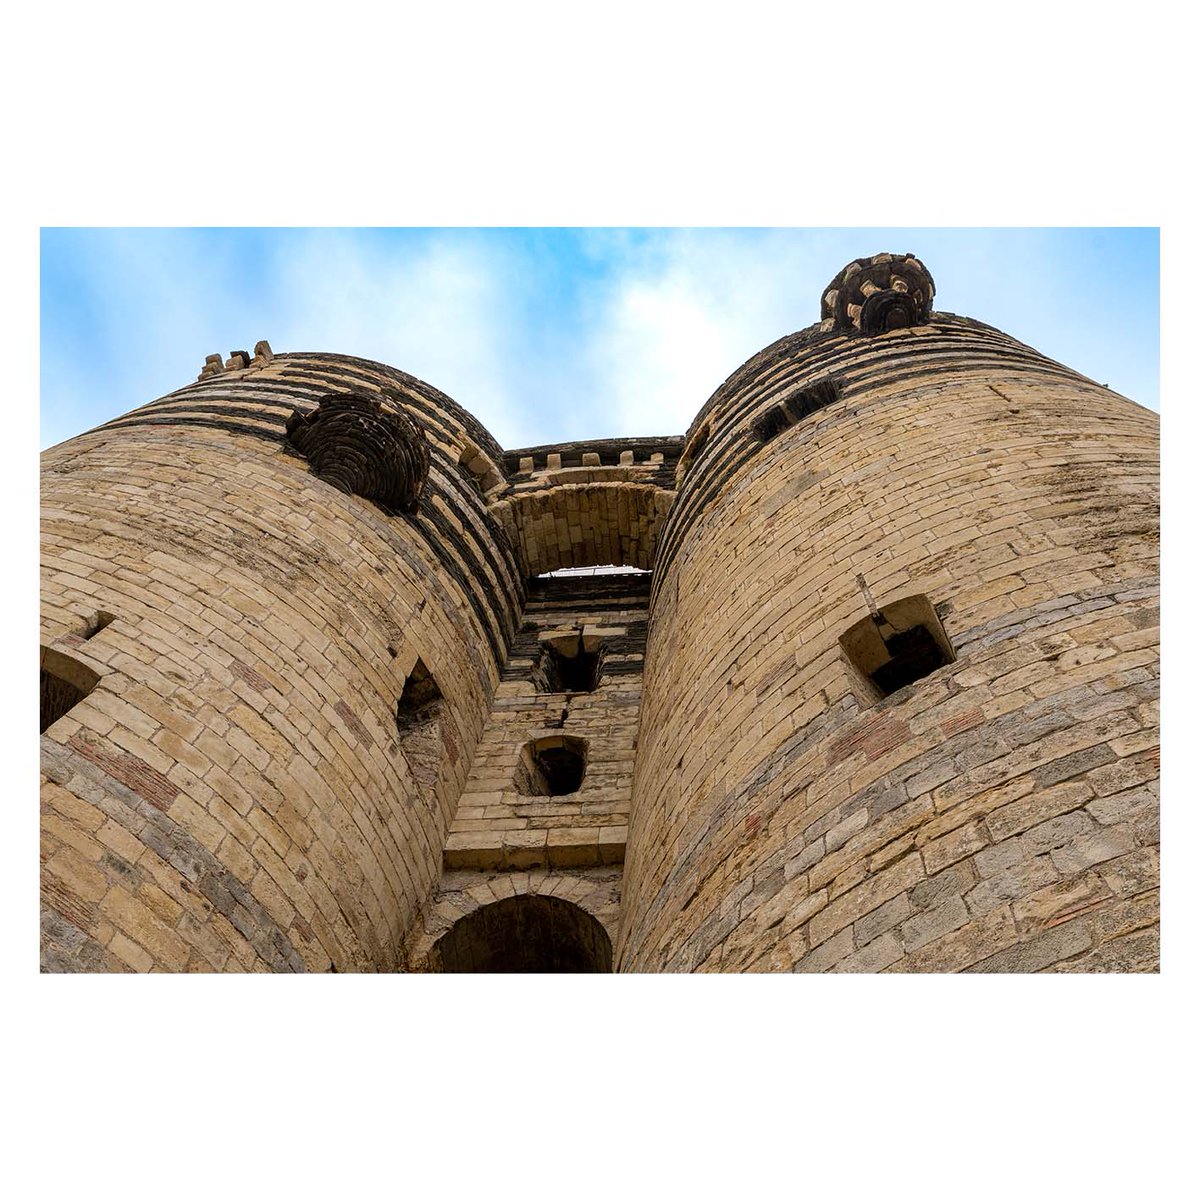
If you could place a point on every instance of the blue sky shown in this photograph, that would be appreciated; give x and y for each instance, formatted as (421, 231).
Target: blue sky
(550, 334)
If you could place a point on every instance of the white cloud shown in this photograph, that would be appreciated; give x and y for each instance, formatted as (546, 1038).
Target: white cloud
(683, 309)
(687, 308)
(542, 337)
(440, 308)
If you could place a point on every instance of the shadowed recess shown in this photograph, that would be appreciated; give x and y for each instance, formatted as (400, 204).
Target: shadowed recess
(525, 935)
(365, 445)
(898, 644)
(565, 665)
(551, 766)
(64, 683)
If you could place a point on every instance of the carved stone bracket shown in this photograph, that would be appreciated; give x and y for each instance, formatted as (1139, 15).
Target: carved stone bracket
(876, 295)
(365, 444)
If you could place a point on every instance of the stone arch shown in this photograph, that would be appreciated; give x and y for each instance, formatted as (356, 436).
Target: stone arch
(530, 933)
(595, 890)
(585, 525)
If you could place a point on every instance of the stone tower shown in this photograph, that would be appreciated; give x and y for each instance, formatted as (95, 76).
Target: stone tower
(877, 689)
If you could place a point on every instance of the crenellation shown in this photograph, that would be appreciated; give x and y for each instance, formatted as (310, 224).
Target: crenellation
(214, 364)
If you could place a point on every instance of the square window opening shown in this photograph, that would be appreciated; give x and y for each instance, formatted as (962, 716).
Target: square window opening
(897, 645)
(567, 665)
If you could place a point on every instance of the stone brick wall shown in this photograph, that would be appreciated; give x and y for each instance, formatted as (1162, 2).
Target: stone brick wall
(232, 795)
(495, 825)
(999, 814)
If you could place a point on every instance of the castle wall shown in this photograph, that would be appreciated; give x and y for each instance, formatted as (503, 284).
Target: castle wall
(998, 814)
(233, 794)
(497, 825)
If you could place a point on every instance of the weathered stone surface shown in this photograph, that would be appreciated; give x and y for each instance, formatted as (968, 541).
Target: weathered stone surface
(953, 881)
(881, 920)
(1023, 876)
(918, 931)
(1021, 815)
(1131, 873)
(958, 950)
(1054, 946)
(1136, 952)
(1060, 902)
(1091, 848)
(954, 846)
(874, 956)
(828, 954)
(1043, 837)
(1123, 806)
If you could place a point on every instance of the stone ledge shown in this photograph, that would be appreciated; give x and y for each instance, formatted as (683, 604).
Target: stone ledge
(524, 849)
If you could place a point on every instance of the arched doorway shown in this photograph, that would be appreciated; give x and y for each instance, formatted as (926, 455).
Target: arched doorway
(527, 934)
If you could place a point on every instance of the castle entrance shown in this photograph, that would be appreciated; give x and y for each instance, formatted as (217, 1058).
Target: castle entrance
(528, 934)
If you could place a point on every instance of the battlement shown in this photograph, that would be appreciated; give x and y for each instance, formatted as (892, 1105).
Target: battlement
(661, 452)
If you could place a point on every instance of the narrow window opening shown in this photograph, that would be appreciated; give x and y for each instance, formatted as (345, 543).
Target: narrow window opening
(421, 699)
(98, 621)
(419, 723)
(772, 423)
(898, 644)
(564, 665)
(795, 408)
(64, 683)
(551, 766)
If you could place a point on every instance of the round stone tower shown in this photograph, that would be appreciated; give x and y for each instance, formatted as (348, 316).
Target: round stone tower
(264, 666)
(877, 690)
(900, 695)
